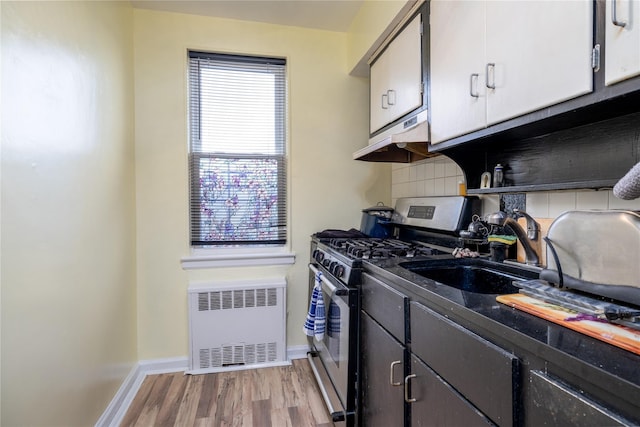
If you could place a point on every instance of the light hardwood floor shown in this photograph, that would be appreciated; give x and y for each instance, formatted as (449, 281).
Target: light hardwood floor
(278, 396)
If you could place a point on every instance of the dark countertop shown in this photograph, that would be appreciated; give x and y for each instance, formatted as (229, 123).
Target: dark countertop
(598, 368)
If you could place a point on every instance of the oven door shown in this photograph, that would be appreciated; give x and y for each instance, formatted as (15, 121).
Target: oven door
(336, 351)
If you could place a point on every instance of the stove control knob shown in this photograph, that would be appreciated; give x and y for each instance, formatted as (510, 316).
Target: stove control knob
(326, 262)
(332, 267)
(339, 271)
(318, 255)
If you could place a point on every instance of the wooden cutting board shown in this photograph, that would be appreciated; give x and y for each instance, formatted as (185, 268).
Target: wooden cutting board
(620, 336)
(545, 223)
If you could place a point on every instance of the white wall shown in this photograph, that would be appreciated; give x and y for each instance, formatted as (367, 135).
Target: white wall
(67, 210)
(328, 121)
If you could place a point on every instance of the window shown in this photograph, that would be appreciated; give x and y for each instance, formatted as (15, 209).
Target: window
(237, 161)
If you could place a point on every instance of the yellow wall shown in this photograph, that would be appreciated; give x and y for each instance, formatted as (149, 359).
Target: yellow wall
(94, 226)
(67, 210)
(328, 120)
(373, 23)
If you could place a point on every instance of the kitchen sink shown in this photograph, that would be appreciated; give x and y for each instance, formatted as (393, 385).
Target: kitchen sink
(475, 275)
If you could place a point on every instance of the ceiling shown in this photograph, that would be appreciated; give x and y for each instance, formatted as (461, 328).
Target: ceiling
(331, 15)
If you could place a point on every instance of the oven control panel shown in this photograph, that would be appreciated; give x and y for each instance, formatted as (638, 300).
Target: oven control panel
(442, 213)
(336, 267)
(421, 212)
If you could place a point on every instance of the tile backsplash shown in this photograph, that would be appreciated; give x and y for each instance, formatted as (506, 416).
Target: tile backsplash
(439, 176)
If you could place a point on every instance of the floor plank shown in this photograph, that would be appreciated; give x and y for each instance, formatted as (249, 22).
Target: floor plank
(264, 397)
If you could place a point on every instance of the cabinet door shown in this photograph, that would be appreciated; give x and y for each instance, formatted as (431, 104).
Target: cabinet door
(405, 90)
(484, 373)
(437, 403)
(457, 64)
(541, 55)
(396, 77)
(379, 83)
(552, 403)
(622, 40)
(382, 362)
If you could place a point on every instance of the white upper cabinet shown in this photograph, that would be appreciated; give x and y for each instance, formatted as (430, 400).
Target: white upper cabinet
(514, 57)
(396, 77)
(457, 44)
(622, 40)
(542, 54)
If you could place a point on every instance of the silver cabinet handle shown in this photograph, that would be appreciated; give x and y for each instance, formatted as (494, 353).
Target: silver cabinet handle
(384, 104)
(389, 93)
(473, 77)
(614, 17)
(391, 381)
(492, 66)
(406, 388)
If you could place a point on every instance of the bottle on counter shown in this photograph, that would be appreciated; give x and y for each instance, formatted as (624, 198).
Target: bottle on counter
(498, 176)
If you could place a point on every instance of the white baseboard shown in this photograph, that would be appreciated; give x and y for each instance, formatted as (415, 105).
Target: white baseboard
(297, 352)
(115, 412)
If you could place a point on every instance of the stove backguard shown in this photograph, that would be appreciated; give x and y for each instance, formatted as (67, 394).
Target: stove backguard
(442, 214)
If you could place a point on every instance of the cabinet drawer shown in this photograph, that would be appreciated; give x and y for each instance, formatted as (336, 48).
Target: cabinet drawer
(386, 305)
(552, 403)
(481, 371)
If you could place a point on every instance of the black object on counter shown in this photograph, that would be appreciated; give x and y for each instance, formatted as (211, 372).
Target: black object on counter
(336, 234)
(498, 251)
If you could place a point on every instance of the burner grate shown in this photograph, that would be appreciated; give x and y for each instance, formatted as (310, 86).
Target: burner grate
(375, 248)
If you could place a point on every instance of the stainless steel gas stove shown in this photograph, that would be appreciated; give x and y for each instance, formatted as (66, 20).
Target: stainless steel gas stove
(423, 227)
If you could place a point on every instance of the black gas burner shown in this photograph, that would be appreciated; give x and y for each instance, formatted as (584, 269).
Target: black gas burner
(375, 248)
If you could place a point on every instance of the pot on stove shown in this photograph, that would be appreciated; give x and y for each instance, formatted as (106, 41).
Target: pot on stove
(376, 221)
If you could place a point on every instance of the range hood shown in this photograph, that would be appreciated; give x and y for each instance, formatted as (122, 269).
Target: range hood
(405, 142)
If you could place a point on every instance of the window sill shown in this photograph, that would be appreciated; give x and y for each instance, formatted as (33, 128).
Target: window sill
(210, 259)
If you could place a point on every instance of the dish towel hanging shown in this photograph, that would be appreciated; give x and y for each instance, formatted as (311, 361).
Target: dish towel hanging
(314, 325)
(333, 326)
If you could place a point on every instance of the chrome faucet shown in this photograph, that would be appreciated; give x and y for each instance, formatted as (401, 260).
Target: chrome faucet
(532, 235)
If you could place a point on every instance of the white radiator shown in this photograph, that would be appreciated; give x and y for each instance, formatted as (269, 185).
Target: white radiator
(237, 325)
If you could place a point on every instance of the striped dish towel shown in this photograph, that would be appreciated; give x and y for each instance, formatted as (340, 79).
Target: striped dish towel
(314, 324)
(333, 326)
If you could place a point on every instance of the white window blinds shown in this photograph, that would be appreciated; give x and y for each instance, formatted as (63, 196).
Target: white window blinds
(237, 159)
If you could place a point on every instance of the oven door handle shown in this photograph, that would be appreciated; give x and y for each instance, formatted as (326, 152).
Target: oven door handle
(333, 289)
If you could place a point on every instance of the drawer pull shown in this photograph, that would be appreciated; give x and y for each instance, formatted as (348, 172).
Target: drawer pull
(490, 69)
(407, 398)
(473, 78)
(391, 381)
(614, 15)
(391, 96)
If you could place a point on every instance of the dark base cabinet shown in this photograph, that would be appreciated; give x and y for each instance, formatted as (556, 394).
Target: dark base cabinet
(443, 376)
(471, 361)
(437, 403)
(484, 373)
(382, 376)
(554, 403)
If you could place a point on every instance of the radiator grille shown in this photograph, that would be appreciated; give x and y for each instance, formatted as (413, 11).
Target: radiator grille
(243, 298)
(237, 327)
(238, 354)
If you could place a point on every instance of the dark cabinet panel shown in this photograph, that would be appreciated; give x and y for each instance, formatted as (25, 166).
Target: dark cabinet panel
(483, 372)
(437, 403)
(552, 403)
(386, 305)
(382, 362)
